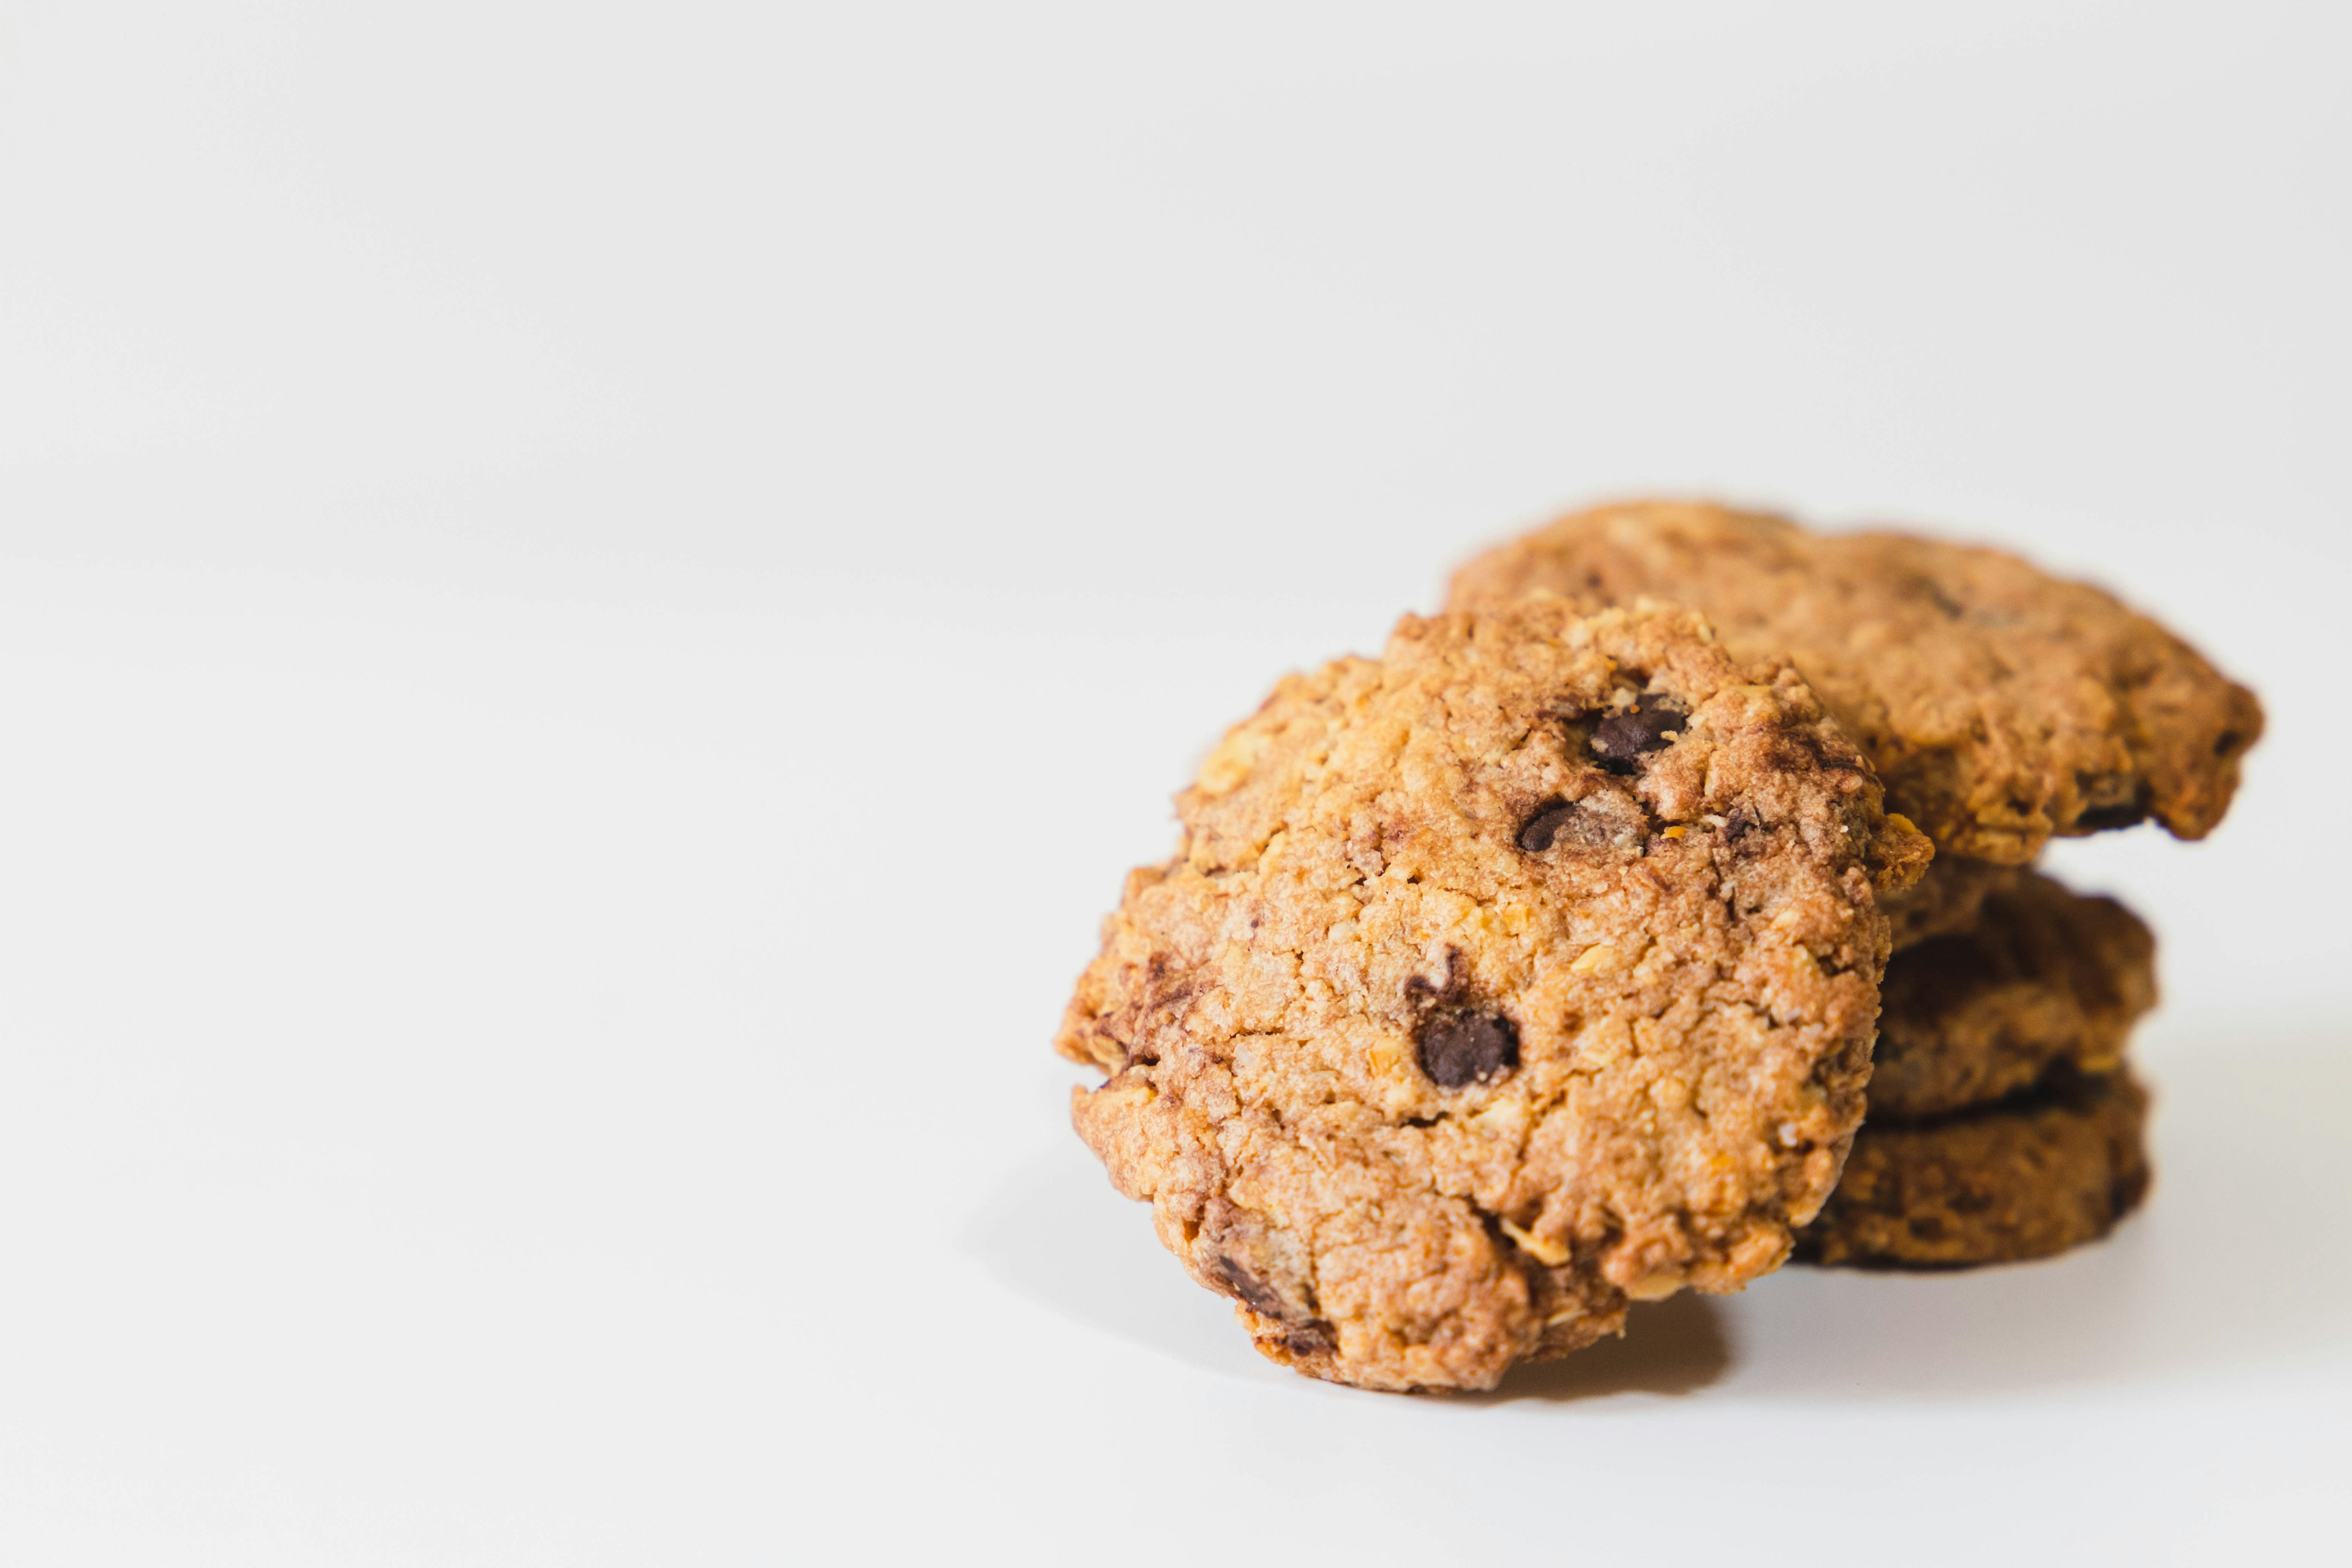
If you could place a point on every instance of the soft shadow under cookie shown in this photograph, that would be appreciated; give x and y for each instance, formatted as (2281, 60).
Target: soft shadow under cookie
(1675, 1346)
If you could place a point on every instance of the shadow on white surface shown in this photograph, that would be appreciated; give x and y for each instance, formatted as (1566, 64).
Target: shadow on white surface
(1675, 1346)
(1059, 1233)
(2239, 1259)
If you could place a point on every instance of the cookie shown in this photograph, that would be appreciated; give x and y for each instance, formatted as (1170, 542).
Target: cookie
(2000, 705)
(1947, 899)
(2021, 1179)
(1526, 970)
(2043, 978)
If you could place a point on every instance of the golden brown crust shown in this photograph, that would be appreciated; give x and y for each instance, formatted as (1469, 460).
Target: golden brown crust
(1997, 1184)
(2043, 978)
(1526, 969)
(2000, 704)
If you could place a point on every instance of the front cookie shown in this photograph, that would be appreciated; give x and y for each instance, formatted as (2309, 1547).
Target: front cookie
(1528, 969)
(2000, 704)
(2026, 1178)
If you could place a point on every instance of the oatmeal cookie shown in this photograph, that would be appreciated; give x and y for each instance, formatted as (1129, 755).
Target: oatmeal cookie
(2023, 1178)
(2043, 978)
(1526, 970)
(2000, 705)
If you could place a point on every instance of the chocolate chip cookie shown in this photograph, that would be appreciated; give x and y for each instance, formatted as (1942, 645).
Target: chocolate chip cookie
(2000, 1184)
(2000, 704)
(2042, 977)
(1525, 971)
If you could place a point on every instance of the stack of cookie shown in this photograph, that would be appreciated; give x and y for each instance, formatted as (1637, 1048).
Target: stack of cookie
(2000, 706)
(1534, 967)
(2003, 1124)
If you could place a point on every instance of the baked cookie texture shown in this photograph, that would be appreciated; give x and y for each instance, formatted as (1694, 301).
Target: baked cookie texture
(2023, 1178)
(2000, 705)
(2043, 978)
(1528, 969)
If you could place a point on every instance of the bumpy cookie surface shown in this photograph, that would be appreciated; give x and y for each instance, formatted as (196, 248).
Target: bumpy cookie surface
(2044, 977)
(2000, 704)
(2022, 1179)
(1528, 969)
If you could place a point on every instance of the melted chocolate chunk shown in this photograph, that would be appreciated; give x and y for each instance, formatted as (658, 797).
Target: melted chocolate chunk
(1422, 993)
(1247, 1286)
(1622, 738)
(1457, 1048)
(1544, 826)
(1314, 1338)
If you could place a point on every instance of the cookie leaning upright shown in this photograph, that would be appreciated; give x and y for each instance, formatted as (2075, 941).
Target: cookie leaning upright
(2000, 704)
(1528, 969)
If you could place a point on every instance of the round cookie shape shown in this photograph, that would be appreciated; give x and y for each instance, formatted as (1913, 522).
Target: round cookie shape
(2000, 705)
(1526, 969)
(2044, 978)
(2024, 1178)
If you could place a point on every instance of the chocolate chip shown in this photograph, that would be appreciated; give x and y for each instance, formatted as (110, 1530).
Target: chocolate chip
(1466, 1048)
(1246, 1285)
(1422, 993)
(1314, 1338)
(2225, 742)
(1622, 738)
(1544, 826)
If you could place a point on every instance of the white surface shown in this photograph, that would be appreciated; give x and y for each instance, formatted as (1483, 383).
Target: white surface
(593, 601)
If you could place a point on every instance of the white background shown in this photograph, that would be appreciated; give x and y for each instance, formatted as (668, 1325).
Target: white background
(594, 599)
